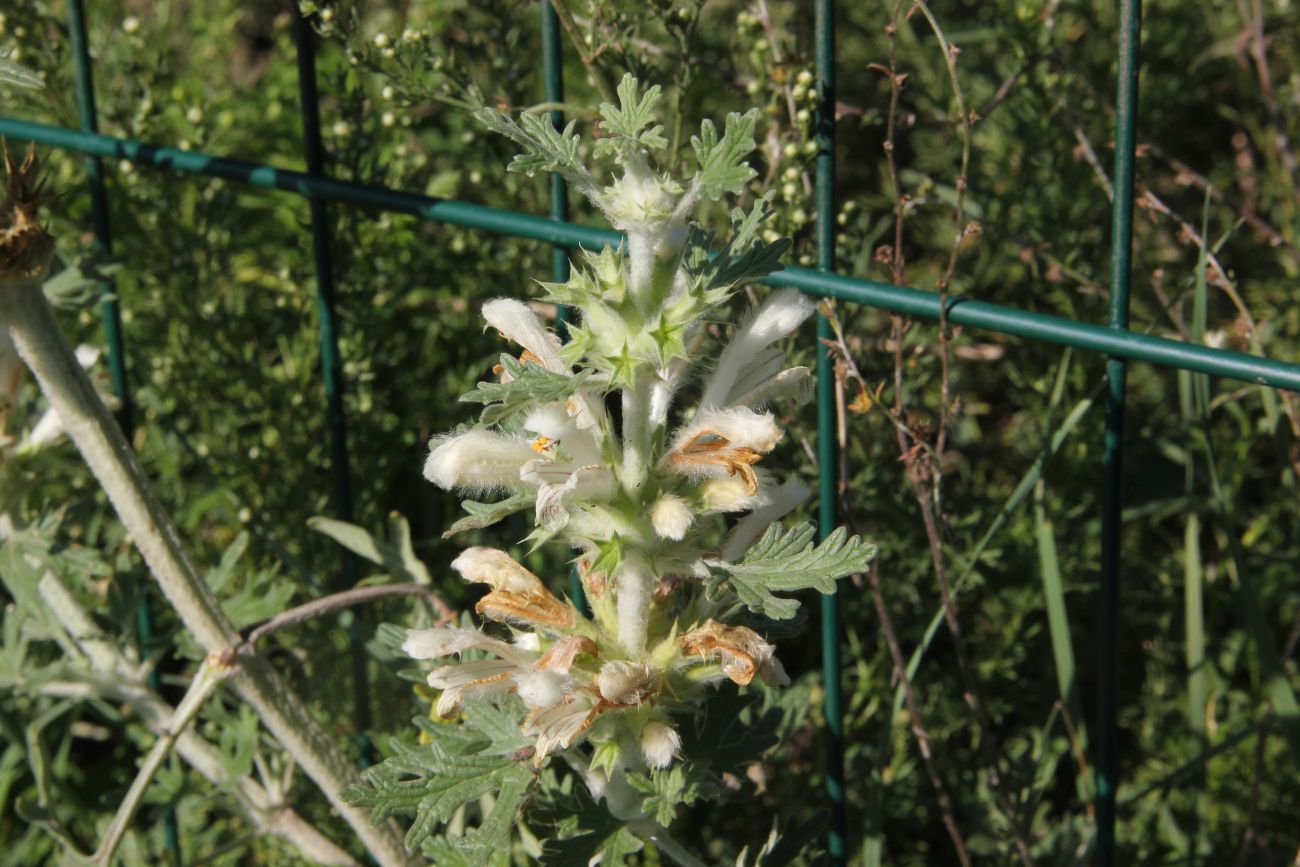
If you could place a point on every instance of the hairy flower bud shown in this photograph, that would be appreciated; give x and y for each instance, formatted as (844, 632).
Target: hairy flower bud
(660, 744)
(671, 516)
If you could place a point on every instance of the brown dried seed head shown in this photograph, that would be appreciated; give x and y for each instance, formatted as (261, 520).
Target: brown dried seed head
(25, 245)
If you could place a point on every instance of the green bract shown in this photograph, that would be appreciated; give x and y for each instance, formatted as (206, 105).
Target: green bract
(643, 493)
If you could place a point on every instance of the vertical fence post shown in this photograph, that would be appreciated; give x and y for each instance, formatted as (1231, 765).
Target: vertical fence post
(827, 459)
(111, 312)
(1116, 373)
(553, 68)
(331, 363)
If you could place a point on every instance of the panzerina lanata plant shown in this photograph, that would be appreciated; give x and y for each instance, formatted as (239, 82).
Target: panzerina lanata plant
(643, 489)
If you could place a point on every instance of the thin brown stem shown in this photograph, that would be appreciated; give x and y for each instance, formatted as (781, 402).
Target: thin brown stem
(1251, 832)
(916, 473)
(588, 57)
(346, 599)
(964, 122)
(914, 715)
(1076, 747)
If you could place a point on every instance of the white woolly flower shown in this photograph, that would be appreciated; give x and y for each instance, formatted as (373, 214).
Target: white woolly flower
(497, 569)
(740, 426)
(766, 386)
(517, 322)
(559, 485)
(671, 516)
(470, 680)
(660, 744)
(723, 442)
(479, 461)
(439, 641)
(781, 314)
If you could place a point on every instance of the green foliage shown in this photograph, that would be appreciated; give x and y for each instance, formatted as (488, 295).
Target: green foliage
(667, 790)
(582, 831)
(528, 384)
(723, 163)
(787, 561)
(546, 149)
(462, 763)
(486, 514)
(631, 124)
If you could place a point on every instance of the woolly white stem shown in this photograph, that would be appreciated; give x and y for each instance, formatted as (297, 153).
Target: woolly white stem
(204, 684)
(40, 342)
(120, 681)
(670, 847)
(637, 433)
(634, 584)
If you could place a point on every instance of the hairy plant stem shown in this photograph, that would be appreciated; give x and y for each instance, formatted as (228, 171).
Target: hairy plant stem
(41, 344)
(674, 850)
(118, 679)
(201, 688)
(637, 433)
(634, 588)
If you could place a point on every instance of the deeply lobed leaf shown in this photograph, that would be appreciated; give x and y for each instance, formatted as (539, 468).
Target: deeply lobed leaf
(787, 561)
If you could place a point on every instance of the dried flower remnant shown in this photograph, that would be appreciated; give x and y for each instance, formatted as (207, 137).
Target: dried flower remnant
(25, 245)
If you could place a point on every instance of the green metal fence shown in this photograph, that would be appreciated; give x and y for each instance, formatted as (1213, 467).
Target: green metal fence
(1113, 339)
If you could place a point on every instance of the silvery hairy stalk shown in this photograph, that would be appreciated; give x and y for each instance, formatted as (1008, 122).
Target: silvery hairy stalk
(642, 454)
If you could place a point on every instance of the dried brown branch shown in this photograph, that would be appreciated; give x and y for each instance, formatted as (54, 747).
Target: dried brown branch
(586, 53)
(914, 715)
(346, 599)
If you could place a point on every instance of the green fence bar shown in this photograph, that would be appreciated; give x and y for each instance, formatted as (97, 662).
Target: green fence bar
(553, 72)
(1043, 327)
(1116, 372)
(111, 313)
(331, 363)
(827, 457)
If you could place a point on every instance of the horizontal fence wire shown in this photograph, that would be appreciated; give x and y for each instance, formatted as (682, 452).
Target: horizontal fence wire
(1043, 327)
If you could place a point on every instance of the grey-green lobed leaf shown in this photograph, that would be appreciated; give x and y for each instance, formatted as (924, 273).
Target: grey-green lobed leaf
(631, 120)
(486, 514)
(528, 383)
(755, 263)
(722, 166)
(786, 561)
(546, 149)
(432, 783)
